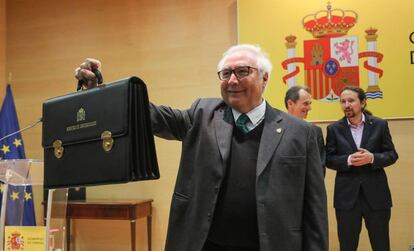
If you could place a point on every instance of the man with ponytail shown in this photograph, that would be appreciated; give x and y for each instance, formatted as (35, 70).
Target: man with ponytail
(358, 147)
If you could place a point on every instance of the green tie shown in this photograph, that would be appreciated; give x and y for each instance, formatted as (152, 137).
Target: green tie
(241, 123)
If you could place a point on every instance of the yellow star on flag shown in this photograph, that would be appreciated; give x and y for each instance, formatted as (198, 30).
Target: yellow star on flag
(17, 142)
(27, 196)
(15, 195)
(5, 149)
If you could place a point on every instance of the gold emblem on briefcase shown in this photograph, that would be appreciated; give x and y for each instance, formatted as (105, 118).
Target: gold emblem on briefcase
(107, 141)
(80, 115)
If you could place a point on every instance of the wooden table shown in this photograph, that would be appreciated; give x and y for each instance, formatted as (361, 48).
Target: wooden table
(111, 210)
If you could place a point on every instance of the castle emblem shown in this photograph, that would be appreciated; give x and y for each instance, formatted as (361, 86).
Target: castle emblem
(81, 115)
(331, 59)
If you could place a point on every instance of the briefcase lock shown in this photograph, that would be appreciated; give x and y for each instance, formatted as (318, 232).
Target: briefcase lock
(57, 145)
(107, 141)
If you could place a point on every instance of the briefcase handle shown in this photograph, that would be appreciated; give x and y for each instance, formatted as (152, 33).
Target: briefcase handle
(82, 82)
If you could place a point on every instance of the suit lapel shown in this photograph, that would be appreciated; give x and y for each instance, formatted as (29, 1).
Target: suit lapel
(368, 126)
(348, 134)
(223, 126)
(273, 131)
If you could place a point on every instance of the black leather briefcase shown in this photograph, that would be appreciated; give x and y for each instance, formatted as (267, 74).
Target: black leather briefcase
(99, 136)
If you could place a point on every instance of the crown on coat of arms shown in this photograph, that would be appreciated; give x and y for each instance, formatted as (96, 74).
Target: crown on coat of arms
(330, 22)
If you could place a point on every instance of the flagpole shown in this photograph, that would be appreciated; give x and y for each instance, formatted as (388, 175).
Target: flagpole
(3, 208)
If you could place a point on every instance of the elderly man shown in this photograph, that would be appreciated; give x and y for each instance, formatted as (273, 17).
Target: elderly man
(298, 102)
(359, 147)
(249, 177)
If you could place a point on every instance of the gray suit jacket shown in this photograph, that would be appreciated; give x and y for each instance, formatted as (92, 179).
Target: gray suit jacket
(321, 145)
(290, 191)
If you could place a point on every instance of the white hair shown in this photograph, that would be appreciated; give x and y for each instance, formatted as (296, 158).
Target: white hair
(263, 62)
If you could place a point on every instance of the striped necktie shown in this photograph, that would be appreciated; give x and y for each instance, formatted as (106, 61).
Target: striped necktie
(241, 123)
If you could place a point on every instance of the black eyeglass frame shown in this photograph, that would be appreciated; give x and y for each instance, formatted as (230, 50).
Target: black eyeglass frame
(234, 71)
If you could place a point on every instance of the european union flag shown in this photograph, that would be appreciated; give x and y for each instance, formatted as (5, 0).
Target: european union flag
(12, 148)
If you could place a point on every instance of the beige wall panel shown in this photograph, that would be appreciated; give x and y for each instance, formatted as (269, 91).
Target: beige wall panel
(173, 46)
(2, 49)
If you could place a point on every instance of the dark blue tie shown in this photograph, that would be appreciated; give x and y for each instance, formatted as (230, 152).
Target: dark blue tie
(241, 123)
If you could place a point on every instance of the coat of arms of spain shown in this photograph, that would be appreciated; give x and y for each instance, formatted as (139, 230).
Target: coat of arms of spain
(331, 58)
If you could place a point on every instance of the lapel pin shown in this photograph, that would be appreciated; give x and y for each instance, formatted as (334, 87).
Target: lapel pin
(279, 130)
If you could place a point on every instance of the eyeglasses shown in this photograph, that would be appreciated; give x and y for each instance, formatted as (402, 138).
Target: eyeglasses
(240, 72)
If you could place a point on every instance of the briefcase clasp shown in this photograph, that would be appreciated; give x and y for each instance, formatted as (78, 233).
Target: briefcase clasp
(57, 145)
(107, 141)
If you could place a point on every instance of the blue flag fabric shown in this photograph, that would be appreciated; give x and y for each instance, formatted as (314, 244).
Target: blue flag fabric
(19, 197)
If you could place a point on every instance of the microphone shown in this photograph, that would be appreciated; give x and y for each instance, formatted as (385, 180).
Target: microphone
(22, 130)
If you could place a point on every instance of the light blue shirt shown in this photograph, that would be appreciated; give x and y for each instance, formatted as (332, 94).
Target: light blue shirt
(357, 130)
(256, 115)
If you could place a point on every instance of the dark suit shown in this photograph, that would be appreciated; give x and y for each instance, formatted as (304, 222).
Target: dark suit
(321, 145)
(290, 191)
(361, 189)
